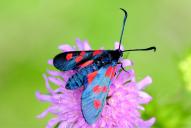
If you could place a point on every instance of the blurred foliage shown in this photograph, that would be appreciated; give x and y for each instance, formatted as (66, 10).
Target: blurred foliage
(185, 67)
(30, 32)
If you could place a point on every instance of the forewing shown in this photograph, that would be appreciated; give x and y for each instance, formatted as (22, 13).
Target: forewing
(94, 95)
(75, 59)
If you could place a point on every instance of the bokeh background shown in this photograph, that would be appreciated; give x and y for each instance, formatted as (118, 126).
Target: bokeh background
(31, 30)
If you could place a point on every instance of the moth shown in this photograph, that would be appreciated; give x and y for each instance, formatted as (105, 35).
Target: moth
(95, 70)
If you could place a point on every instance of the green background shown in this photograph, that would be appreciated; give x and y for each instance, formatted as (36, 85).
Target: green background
(31, 31)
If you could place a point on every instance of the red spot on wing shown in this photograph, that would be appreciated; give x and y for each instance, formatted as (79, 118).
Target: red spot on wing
(91, 76)
(86, 63)
(82, 53)
(104, 89)
(97, 52)
(113, 73)
(69, 56)
(97, 104)
(97, 89)
(78, 59)
(110, 72)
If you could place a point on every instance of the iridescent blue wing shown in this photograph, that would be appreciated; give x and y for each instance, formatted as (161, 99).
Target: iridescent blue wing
(78, 79)
(75, 59)
(94, 95)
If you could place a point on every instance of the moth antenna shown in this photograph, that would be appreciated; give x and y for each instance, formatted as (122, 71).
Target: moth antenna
(124, 21)
(144, 49)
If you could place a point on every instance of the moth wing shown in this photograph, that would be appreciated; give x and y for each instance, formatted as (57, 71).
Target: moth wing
(75, 59)
(94, 95)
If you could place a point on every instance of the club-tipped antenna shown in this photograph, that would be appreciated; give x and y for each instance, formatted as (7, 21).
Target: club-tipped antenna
(144, 49)
(124, 21)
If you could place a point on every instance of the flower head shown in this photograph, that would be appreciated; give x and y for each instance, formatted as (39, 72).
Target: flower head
(123, 104)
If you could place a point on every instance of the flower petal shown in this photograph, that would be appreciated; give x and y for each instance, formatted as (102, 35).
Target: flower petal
(66, 47)
(147, 124)
(144, 98)
(50, 90)
(56, 81)
(44, 98)
(117, 46)
(50, 61)
(52, 109)
(64, 124)
(144, 82)
(79, 44)
(53, 122)
(86, 45)
(54, 73)
(126, 62)
(124, 77)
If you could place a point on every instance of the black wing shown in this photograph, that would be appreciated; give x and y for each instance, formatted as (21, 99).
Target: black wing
(76, 59)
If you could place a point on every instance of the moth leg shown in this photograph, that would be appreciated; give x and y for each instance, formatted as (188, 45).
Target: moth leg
(122, 67)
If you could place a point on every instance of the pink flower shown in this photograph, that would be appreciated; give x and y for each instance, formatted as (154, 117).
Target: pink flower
(123, 104)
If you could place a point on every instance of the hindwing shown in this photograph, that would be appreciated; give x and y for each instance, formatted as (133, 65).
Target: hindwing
(94, 95)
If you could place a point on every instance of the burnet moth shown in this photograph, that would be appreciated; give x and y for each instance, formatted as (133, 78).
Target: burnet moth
(95, 69)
